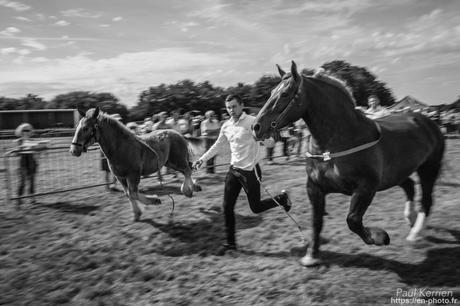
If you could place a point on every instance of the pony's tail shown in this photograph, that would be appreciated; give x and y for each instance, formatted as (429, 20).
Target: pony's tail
(196, 147)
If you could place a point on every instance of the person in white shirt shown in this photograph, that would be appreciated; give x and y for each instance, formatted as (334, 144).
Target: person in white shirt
(375, 110)
(245, 155)
(210, 128)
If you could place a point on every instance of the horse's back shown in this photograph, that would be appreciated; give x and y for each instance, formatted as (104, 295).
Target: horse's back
(172, 145)
(408, 141)
(411, 129)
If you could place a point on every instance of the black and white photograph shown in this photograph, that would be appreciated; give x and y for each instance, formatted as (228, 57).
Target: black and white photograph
(218, 152)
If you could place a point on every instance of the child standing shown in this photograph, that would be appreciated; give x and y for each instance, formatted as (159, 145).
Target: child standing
(25, 148)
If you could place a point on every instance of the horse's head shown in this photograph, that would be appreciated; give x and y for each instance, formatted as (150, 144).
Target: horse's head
(86, 132)
(283, 106)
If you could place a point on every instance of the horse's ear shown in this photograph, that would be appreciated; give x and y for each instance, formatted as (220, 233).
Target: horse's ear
(294, 72)
(82, 113)
(281, 71)
(96, 112)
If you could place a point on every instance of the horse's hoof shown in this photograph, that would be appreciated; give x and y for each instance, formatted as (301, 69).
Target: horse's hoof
(308, 261)
(413, 238)
(197, 188)
(156, 201)
(379, 236)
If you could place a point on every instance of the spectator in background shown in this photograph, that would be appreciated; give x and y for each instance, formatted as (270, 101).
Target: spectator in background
(375, 110)
(133, 127)
(270, 148)
(26, 148)
(285, 135)
(173, 121)
(210, 128)
(300, 126)
(161, 124)
(147, 127)
(185, 125)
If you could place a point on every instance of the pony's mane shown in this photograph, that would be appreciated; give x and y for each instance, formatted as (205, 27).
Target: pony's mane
(114, 123)
(322, 75)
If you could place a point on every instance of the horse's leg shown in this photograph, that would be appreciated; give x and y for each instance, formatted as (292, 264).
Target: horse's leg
(409, 210)
(428, 174)
(360, 201)
(124, 185)
(189, 185)
(317, 200)
(132, 184)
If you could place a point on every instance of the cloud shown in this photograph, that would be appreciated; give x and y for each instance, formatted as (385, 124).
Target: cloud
(22, 18)
(62, 23)
(80, 12)
(124, 75)
(116, 19)
(10, 31)
(32, 43)
(9, 50)
(17, 6)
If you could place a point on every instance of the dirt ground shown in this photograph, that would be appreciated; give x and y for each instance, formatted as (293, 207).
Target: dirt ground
(84, 249)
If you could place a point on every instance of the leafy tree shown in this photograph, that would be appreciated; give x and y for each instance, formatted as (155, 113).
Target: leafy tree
(362, 82)
(85, 100)
(242, 90)
(261, 90)
(30, 101)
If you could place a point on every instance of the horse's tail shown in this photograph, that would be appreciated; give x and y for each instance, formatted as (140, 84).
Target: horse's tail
(196, 147)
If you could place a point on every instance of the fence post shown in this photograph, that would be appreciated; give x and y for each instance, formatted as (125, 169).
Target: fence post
(7, 178)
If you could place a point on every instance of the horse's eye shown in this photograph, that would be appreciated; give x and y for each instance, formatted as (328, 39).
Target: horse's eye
(284, 94)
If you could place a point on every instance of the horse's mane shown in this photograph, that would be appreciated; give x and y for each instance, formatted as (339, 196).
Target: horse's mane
(112, 122)
(322, 75)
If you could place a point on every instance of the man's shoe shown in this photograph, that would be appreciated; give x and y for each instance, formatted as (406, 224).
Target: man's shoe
(224, 248)
(285, 201)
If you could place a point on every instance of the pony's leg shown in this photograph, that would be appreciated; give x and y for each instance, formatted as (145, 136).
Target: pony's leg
(124, 185)
(189, 185)
(428, 174)
(317, 200)
(132, 184)
(409, 208)
(360, 201)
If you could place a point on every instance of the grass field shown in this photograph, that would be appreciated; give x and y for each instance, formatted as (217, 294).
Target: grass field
(82, 248)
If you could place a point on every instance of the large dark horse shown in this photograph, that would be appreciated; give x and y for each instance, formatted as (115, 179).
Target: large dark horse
(130, 156)
(352, 154)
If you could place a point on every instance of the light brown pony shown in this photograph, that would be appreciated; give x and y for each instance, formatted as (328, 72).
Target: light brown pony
(130, 156)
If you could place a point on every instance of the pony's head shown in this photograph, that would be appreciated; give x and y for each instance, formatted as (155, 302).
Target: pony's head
(283, 106)
(86, 132)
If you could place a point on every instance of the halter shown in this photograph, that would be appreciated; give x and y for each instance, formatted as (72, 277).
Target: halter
(274, 123)
(328, 155)
(94, 129)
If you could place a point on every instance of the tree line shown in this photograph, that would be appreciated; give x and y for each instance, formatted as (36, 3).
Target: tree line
(187, 95)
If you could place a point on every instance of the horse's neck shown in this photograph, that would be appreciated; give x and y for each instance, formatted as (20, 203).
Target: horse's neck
(112, 139)
(333, 122)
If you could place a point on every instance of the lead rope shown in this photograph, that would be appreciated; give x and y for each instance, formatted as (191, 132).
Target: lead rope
(304, 240)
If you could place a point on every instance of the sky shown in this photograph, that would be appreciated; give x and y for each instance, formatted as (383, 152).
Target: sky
(51, 47)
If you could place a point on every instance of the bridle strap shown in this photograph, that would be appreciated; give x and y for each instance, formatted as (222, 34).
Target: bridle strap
(93, 135)
(328, 155)
(274, 123)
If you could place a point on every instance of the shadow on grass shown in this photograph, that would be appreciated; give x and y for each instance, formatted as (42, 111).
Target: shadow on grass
(81, 209)
(162, 190)
(198, 237)
(440, 268)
